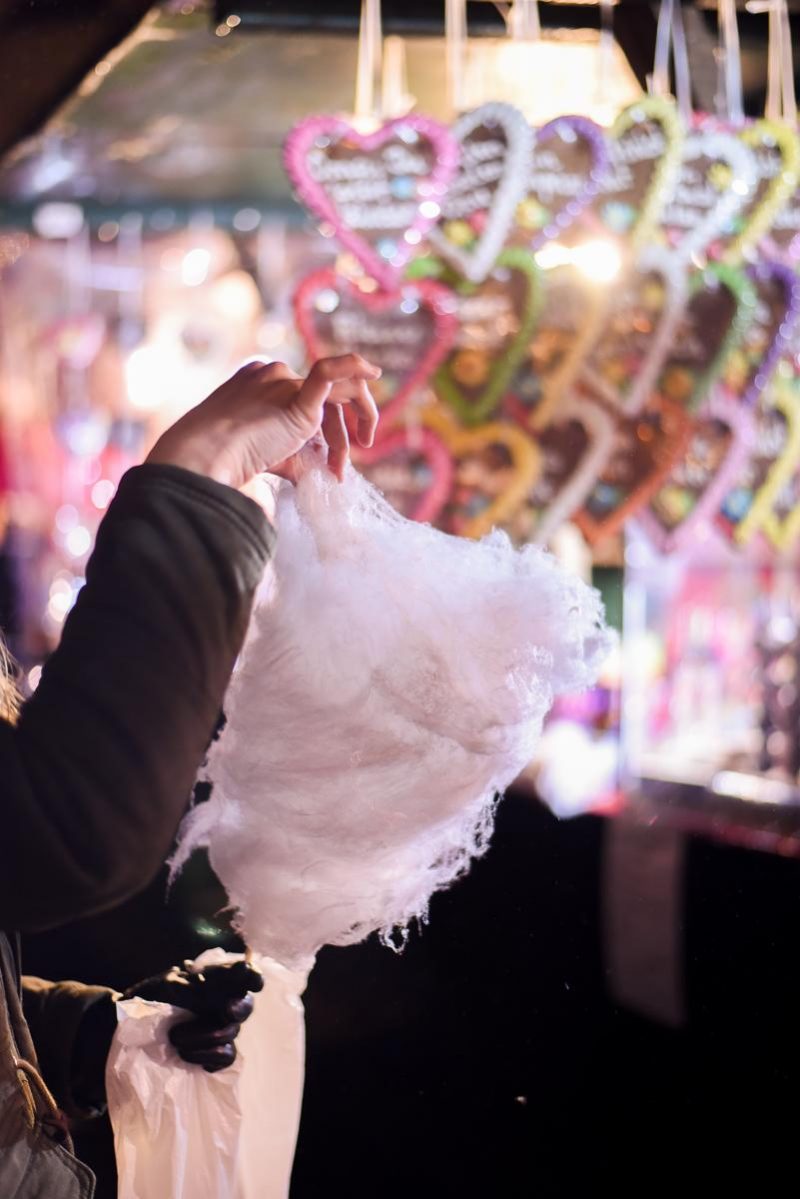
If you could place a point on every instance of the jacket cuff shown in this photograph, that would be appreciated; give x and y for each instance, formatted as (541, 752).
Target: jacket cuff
(239, 509)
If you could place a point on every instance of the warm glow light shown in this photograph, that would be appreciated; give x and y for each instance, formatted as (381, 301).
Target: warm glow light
(195, 266)
(599, 260)
(103, 493)
(78, 541)
(566, 71)
(144, 375)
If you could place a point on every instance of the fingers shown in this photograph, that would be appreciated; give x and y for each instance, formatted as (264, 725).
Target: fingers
(316, 389)
(335, 432)
(212, 1060)
(357, 393)
(202, 1033)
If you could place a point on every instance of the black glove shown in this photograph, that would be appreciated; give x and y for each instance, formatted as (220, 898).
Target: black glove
(220, 998)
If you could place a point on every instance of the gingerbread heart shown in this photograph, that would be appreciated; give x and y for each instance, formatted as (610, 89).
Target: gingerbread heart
(776, 151)
(407, 332)
(568, 164)
(574, 449)
(637, 332)
(645, 145)
(478, 210)
(496, 465)
(781, 522)
(716, 177)
(770, 465)
(413, 469)
(495, 321)
(772, 322)
(646, 448)
(782, 241)
(690, 497)
(571, 312)
(379, 192)
(721, 301)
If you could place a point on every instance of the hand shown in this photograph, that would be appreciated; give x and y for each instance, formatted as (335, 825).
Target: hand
(220, 999)
(262, 417)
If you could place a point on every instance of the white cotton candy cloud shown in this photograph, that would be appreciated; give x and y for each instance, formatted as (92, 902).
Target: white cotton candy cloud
(393, 681)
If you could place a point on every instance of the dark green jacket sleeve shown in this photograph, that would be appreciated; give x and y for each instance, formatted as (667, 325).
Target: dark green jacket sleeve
(97, 772)
(57, 1016)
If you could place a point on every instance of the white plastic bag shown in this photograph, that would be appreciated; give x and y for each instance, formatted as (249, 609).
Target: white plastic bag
(180, 1133)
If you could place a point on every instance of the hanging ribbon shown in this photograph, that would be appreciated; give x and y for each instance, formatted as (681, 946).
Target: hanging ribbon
(781, 100)
(670, 35)
(369, 69)
(730, 102)
(455, 31)
(523, 22)
(396, 100)
(605, 55)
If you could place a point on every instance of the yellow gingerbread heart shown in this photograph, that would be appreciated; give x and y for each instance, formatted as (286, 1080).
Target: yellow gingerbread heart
(762, 517)
(781, 520)
(514, 481)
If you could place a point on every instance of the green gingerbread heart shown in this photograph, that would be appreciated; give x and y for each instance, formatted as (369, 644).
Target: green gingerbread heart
(495, 322)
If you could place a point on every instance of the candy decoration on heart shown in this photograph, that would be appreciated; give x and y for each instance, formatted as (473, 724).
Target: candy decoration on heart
(766, 334)
(776, 151)
(477, 212)
(769, 468)
(412, 468)
(407, 332)
(721, 301)
(496, 465)
(495, 320)
(716, 176)
(637, 332)
(570, 317)
(646, 448)
(645, 144)
(689, 498)
(574, 449)
(379, 192)
(569, 162)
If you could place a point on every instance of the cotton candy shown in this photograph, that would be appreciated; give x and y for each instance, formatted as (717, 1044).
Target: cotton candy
(393, 681)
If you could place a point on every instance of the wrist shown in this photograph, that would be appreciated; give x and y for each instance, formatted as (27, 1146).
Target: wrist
(202, 457)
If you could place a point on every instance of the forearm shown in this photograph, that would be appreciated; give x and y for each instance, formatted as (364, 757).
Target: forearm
(99, 767)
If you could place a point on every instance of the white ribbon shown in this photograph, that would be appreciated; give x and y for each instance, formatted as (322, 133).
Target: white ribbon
(730, 102)
(670, 35)
(369, 69)
(523, 22)
(781, 100)
(455, 32)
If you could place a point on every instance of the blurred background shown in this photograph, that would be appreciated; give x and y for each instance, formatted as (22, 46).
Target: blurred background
(611, 996)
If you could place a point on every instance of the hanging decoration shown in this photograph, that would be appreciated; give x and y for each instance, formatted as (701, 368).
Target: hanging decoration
(407, 333)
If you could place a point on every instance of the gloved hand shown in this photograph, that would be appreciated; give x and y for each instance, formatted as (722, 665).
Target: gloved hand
(220, 999)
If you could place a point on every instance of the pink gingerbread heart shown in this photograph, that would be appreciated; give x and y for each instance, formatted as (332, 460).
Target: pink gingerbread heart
(380, 192)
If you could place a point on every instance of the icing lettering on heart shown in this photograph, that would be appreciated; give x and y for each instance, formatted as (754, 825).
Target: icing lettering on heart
(380, 192)
(716, 176)
(406, 333)
(478, 210)
(569, 162)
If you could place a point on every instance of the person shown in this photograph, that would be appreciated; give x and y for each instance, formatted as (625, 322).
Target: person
(98, 763)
